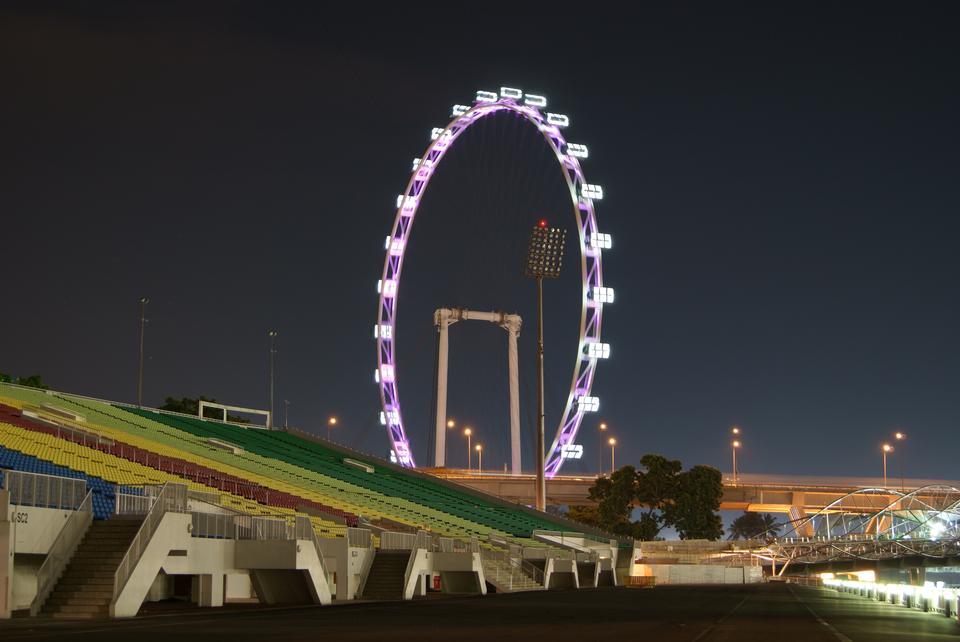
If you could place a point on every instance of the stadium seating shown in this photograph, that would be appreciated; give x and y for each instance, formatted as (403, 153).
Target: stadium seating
(272, 470)
(93, 463)
(104, 493)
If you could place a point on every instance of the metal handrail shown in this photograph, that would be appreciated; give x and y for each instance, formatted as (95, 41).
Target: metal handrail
(63, 548)
(508, 570)
(359, 537)
(45, 491)
(390, 540)
(172, 499)
(130, 504)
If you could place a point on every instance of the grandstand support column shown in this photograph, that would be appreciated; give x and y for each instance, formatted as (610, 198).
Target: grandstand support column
(211, 589)
(6, 556)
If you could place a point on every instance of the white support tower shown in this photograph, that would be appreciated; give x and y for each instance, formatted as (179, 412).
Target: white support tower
(443, 319)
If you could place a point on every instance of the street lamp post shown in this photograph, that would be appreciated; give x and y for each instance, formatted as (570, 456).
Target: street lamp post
(143, 320)
(887, 448)
(613, 455)
(273, 336)
(900, 437)
(602, 428)
(479, 448)
(733, 448)
(735, 431)
(331, 422)
(286, 413)
(469, 431)
(544, 257)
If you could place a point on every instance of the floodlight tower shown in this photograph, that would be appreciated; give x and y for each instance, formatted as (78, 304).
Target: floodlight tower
(544, 257)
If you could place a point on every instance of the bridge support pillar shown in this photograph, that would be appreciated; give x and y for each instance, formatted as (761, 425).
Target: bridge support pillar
(918, 575)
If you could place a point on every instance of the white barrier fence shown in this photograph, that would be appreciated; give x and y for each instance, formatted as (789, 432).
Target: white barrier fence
(929, 597)
(390, 541)
(44, 491)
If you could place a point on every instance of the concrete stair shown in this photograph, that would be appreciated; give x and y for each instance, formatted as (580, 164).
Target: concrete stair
(506, 578)
(385, 580)
(85, 589)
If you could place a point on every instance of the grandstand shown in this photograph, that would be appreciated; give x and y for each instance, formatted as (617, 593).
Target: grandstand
(378, 530)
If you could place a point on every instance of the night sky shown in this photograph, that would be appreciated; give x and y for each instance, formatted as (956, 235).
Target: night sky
(781, 186)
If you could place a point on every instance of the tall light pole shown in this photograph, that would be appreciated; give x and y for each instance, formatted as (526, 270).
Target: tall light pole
(900, 437)
(286, 413)
(273, 335)
(602, 428)
(479, 449)
(143, 320)
(331, 422)
(469, 431)
(735, 431)
(613, 454)
(887, 448)
(544, 257)
(733, 447)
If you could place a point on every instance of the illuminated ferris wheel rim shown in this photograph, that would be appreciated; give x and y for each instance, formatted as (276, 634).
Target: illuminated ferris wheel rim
(594, 295)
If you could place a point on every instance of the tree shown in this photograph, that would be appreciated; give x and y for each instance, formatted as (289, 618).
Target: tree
(693, 511)
(664, 495)
(189, 406)
(615, 496)
(585, 515)
(656, 489)
(33, 381)
(754, 526)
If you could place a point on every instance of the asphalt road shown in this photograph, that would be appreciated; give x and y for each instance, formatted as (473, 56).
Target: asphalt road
(767, 612)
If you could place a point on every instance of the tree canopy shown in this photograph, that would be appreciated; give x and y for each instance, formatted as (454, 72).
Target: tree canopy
(665, 496)
(754, 526)
(190, 406)
(33, 381)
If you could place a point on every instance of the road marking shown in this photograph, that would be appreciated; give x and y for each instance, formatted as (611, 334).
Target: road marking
(710, 628)
(837, 634)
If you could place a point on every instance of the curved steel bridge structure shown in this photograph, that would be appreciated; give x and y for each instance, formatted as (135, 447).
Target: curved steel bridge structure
(873, 525)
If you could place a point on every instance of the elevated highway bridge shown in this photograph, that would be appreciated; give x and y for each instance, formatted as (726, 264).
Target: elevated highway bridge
(750, 492)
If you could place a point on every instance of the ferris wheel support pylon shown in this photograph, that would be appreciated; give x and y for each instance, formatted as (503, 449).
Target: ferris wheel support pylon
(443, 318)
(594, 295)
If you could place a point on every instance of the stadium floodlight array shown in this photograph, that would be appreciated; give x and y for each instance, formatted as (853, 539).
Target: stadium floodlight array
(545, 252)
(584, 197)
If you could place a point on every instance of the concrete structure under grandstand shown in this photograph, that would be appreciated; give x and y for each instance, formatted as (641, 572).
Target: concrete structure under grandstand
(106, 506)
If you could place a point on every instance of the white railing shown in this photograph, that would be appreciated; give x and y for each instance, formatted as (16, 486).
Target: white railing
(508, 572)
(390, 541)
(359, 537)
(44, 491)
(130, 504)
(204, 496)
(172, 499)
(213, 525)
(61, 551)
(455, 545)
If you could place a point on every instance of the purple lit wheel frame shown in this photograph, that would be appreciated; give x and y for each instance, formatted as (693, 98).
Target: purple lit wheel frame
(590, 267)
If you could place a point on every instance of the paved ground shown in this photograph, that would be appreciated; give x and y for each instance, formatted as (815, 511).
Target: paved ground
(768, 613)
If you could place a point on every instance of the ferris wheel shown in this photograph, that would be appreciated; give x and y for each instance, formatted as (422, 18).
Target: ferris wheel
(583, 196)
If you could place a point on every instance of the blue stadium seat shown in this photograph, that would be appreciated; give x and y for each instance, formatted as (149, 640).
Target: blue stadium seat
(104, 493)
